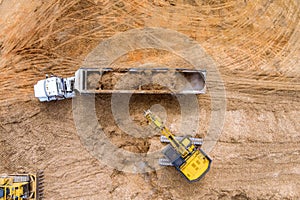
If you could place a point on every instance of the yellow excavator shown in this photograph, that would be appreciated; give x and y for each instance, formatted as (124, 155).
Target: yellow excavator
(182, 153)
(21, 186)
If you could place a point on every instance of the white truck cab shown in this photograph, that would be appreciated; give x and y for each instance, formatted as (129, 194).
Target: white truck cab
(54, 88)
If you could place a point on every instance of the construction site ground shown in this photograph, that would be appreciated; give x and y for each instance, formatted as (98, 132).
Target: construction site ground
(256, 45)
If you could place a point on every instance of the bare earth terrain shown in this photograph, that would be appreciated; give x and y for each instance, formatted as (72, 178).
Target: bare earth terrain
(256, 46)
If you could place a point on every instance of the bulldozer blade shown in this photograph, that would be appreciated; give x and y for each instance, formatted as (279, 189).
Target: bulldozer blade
(140, 81)
(164, 162)
(195, 141)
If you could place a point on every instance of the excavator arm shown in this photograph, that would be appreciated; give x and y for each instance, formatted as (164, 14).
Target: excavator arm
(176, 144)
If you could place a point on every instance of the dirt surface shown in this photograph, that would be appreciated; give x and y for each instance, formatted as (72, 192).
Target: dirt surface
(255, 45)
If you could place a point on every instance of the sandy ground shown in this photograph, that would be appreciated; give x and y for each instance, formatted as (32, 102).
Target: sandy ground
(255, 45)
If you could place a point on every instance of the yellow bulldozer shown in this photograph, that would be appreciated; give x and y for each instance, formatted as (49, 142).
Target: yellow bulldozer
(183, 153)
(21, 186)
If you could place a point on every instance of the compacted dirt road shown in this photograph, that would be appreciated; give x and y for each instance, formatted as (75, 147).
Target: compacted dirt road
(256, 48)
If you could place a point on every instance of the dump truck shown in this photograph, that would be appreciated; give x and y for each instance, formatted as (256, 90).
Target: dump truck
(184, 153)
(21, 186)
(122, 80)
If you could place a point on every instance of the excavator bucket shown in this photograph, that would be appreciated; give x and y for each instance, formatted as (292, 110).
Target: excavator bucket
(140, 81)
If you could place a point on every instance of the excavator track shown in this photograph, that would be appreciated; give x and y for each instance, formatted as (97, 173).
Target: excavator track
(164, 162)
(196, 141)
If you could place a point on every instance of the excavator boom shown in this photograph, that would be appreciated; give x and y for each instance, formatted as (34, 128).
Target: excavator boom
(176, 144)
